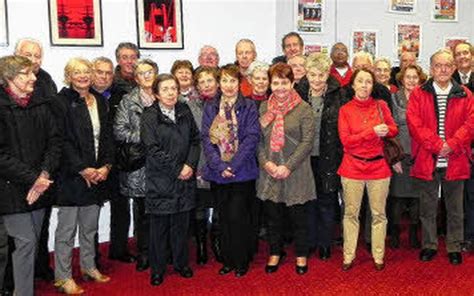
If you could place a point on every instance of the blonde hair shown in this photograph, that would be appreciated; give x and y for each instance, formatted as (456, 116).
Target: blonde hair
(383, 60)
(72, 65)
(319, 61)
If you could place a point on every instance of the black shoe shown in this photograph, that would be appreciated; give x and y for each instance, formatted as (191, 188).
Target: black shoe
(324, 253)
(185, 272)
(274, 268)
(46, 274)
(301, 269)
(125, 258)
(413, 236)
(225, 270)
(156, 279)
(142, 264)
(455, 258)
(240, 272)
(427, 254)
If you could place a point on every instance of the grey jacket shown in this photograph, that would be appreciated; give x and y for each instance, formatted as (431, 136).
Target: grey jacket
(127, 129)
(399, 102)
(299, 187)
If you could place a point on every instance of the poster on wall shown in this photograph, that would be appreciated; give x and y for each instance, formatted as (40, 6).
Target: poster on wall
(160, 24)
(309, 16)
(364, 40)
(444, 10)
(75, 22)
(316, 48)
(3, 24)
(402, 6)
(408, 38)
(451, 42)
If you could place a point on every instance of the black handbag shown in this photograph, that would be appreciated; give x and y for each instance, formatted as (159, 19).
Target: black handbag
(130, 157)
(392, 149)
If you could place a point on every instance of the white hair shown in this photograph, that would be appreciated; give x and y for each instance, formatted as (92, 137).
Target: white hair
(257, 66)
(21, 42)
(363, 55)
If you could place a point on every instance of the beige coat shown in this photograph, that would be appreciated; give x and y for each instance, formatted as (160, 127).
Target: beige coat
(299, 187)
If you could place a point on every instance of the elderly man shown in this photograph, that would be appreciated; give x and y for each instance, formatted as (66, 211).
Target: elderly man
(46, 88)
(209, 57)
(127, 54)
(292, 44)
(103, 76)
(463, 57)
(340, 68)
(245, 54)
(440, 117)
(407, 58)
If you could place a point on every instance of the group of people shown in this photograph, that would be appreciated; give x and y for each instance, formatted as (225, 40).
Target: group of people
(287, 151)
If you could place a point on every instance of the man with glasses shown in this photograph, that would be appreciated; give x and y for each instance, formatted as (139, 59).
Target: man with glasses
(440, 117)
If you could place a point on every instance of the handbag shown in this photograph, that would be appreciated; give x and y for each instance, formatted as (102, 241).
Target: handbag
(392, 149)
(130, 157)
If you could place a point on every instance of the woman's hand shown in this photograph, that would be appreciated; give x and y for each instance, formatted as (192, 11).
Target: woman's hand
(39, 187)
(102, 173)
(398, 168)
(227, 173)
(270, 167)
(282, 172)
(381, 130)
(186, 173)
(90, 175)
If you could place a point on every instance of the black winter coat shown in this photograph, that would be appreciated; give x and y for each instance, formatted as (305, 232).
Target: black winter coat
(169, 146)
(330, 148)
(45, 85)
(79, 150)
(30, 142)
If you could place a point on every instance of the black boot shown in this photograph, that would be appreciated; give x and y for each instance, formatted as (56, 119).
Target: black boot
(395, 236)
(413, 236)
(201, 242)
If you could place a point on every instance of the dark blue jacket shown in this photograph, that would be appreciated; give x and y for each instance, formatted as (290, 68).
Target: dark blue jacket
(244, 163)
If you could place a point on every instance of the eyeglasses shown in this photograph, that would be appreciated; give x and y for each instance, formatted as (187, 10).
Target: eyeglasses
(146, 74)
(443, 66)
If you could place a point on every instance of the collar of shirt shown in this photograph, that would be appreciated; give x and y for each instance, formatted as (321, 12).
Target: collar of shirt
(440, 91)
(465, 76)
(167, 112)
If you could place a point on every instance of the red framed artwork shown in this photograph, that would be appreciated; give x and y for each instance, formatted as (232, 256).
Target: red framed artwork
(160, 24)
(75, 22)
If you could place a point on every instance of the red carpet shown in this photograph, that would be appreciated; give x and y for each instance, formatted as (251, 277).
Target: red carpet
(404, 275)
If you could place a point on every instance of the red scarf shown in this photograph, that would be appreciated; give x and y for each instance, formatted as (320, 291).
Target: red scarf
(276, 111)
(21, 101)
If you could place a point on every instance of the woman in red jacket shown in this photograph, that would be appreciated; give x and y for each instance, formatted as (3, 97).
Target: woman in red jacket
(363, 123)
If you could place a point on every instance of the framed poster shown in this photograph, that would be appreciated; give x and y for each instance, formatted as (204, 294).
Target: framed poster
(402, 6)
(3, 24)
(444, 10)
(75, 22)
(408, 37)
(160, 24)
(364, 40)
(309, 16)
(451, 42)
(316, 48)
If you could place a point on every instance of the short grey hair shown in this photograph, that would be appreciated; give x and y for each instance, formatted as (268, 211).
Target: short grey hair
(384, 60)
(363, 55)
(105, 60)
(148, 62)
(440, 52)
(257, 66)
(248, 41)
(21, 42)
(126, 45)
(201, 51)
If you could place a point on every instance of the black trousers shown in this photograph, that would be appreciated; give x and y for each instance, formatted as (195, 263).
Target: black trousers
(469, 208)
(3, 251)
(141, 222)
(235, 212)
(398, 206)
(119, 226)
(297, 214)
(168, 230)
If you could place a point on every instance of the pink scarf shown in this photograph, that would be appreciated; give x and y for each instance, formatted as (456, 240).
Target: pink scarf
(276, 111)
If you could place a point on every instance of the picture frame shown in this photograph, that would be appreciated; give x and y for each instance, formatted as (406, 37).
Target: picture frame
(402, 6)
(364, 40)
(75, 22)
(445, 11)
(309, 16)
(3, 24)
(316, 48)
(451, 41)
(160, 24)
(408, 37)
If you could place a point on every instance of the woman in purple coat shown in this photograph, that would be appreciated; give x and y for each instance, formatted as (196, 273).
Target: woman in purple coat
(230, 135)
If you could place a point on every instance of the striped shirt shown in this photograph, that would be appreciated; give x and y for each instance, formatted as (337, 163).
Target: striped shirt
(442, 100)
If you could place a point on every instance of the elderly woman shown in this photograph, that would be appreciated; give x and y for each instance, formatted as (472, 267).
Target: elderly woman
(183, 71)
(402, 191)
(206, 80)
(258, 77)
(230, 134)
(87, 158)
(382, 68)
(363, 123)
(325, 98)
(30, 147)
(171, 138)
(127, 132)
(297, 64)
(286, 184)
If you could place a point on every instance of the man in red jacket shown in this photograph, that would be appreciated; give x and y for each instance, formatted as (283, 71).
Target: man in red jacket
(440, 116)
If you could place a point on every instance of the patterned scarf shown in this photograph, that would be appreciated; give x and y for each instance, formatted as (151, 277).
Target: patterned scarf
(21, 101)
(277, 109)
(223, 130)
